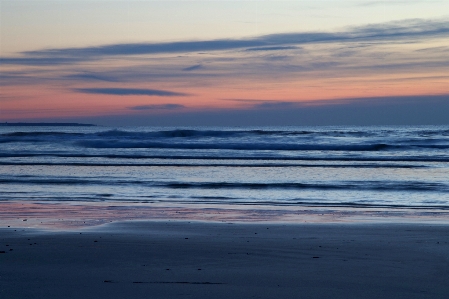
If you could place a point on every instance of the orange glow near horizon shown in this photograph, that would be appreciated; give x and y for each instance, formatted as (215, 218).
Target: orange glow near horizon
(39, 102)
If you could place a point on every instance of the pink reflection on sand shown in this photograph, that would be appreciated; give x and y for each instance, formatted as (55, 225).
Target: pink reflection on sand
(63, 216)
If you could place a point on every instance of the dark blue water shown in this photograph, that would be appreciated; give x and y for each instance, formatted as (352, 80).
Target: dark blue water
(289, 166)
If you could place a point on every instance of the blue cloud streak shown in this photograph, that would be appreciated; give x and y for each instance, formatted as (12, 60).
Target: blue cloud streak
(192, 68)
(404, 30)
(401, 110)
(131, 91)
(157, 107)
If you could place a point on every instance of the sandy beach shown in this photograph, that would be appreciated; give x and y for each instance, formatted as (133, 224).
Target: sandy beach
(181, 259)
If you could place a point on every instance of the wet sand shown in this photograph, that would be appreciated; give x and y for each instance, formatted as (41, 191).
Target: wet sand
(145, 259)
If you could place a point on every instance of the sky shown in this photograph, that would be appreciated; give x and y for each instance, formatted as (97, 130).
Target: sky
(215, 62)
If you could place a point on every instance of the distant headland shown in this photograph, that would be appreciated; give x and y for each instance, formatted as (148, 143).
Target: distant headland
(46, 124)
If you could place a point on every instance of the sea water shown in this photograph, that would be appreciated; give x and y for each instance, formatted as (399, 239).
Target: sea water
(388, 167)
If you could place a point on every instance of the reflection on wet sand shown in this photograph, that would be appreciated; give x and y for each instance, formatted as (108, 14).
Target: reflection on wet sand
(63, 216)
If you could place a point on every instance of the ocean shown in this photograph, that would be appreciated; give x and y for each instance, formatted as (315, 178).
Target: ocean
(350, 167)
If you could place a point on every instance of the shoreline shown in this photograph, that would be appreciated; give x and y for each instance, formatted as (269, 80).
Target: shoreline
(180, 259)
(60, 216)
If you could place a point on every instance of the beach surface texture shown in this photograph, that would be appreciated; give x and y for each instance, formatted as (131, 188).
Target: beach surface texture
(180, 259)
